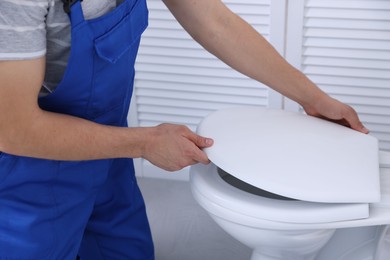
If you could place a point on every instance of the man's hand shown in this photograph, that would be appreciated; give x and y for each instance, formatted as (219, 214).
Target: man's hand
(173, 147)
(333, 110)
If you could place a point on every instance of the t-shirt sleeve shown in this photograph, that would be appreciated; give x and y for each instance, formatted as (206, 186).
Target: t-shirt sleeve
(22, 29)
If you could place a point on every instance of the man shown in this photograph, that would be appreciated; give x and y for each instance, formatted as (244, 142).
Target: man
(67, 183)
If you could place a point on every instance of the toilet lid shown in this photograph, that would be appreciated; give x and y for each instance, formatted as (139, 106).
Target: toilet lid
(294, 155)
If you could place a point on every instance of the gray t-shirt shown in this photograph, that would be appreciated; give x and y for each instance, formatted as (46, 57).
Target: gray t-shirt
(34, 28)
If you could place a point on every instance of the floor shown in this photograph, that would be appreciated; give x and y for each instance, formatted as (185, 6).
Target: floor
(181, 229)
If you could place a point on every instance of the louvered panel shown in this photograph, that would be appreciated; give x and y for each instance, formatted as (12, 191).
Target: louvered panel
(347, 13)
(373, 110)
(346, 62)
(185, 103)
(171, 114)
(196, 80)
(351, 82)
(243, 89)
(176, 60)
(186, 69)
(347, 34)
(383, 136)
(349, 4)
(364, 104)
(347, 44)
(346, 71)
(316, 22)
(183, 95)
(167, 110)
(346, 51)
(149, 117)
(362, 92)
(376, 119)
(152, 119)
(379, 102)
(380, 129)
(166, 23)
(179, 82)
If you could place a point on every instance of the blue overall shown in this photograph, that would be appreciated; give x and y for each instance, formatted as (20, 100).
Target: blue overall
(60, 209)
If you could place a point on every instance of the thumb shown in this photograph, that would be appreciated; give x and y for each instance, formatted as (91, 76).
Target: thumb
(200, 141)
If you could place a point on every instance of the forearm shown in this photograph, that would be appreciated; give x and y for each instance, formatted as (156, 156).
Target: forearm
(236, 43)
(27, 130)
(48, 135)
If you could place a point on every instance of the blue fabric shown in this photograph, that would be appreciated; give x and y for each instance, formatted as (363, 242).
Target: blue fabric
(59, 209)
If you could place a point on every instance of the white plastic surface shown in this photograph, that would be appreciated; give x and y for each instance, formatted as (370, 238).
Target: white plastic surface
(212, 193)
(294, 155)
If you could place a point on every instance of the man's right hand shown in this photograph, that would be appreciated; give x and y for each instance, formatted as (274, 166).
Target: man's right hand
(173, 147)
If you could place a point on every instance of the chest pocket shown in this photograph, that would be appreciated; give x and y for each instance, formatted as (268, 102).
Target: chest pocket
(115, 53)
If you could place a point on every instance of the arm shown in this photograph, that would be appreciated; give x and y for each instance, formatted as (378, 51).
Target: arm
(236, 43)
(27, 130)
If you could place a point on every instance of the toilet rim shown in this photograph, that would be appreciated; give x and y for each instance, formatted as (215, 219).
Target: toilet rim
(205, 182)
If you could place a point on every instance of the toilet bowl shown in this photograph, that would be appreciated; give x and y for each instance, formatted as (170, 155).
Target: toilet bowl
(249, 218)
(291, 221)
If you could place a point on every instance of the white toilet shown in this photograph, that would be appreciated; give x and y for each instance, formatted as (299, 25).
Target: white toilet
(295, 187)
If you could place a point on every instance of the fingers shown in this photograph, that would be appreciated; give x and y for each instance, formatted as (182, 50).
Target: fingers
(173, 147)
(201, 157)
(354, 122)
(200, 142)
(333, 110)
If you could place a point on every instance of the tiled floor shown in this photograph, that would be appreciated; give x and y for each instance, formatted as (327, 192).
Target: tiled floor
(181, 229)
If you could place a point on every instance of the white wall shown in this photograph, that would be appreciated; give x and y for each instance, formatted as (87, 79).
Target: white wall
(342, 45)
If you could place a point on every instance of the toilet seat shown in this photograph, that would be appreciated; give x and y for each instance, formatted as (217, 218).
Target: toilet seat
(227, 202)
(208, 185)
(347, 194)
(294, 155)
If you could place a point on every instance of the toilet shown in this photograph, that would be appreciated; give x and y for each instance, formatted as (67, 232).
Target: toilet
(295, 187)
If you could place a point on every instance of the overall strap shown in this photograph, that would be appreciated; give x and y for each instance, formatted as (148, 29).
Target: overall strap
(74, 10)
(68, 4)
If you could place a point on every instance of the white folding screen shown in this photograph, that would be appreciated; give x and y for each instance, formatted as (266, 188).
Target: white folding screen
(344, 47)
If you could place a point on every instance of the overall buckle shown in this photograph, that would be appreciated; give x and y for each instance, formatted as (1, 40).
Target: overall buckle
(68, 4)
